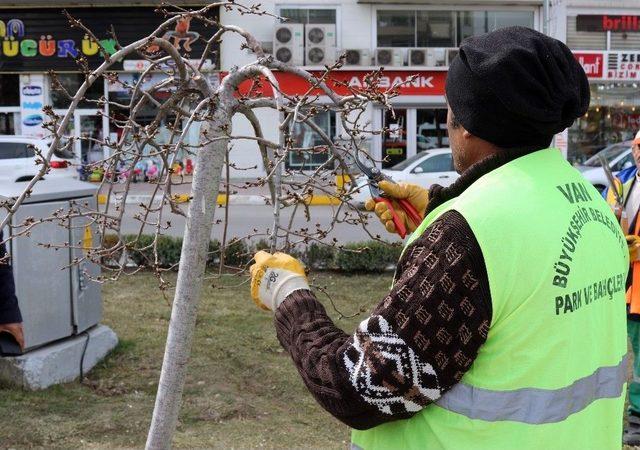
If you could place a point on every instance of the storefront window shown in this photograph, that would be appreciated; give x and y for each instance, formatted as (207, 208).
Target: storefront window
(306, 15)
(436, 29)
(71, 83)
(305, 137)
(9, 90)
(396, 28)
(425, 28)
(10, 123)
(613, 117)
(431, 129)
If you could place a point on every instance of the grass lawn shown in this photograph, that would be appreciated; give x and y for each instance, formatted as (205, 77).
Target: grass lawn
(242, 389)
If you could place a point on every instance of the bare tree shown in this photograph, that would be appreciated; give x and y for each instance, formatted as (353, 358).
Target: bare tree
(194, 101)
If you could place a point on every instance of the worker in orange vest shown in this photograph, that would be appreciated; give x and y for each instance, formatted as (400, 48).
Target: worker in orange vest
(626, 204)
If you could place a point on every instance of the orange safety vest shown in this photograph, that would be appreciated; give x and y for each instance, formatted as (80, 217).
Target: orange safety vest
(633, 293)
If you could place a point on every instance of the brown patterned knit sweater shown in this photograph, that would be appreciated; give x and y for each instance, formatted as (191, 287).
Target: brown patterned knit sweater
(420, 339)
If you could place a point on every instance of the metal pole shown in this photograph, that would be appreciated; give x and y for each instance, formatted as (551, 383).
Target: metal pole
(545, 17)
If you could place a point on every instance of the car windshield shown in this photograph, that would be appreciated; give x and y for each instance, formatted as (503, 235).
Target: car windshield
(609, 153)
(407, 162)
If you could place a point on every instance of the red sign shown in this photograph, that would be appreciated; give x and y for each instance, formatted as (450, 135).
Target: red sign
(605, 22)
(347, 82)
(592, 63)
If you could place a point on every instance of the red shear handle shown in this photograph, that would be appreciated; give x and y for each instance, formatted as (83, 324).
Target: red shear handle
(408, 209)
(413, 215)
(397, 221)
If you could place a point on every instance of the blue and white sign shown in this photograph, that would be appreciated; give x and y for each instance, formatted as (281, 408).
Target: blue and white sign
(32, 91)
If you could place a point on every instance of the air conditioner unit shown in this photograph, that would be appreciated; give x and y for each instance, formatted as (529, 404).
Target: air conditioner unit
(357, 57)
(320, 44)
(418, 57)
(451, 54)
(288, 43)
(320, 56)
(389, 57)
(320, 35)
(436, 57)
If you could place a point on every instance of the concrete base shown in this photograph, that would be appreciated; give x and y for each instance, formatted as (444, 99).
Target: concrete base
(58, 362)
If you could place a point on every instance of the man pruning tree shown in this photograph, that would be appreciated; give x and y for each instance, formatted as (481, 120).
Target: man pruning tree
(505, 325)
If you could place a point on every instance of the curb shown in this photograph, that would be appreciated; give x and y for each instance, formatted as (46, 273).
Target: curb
(315, 200)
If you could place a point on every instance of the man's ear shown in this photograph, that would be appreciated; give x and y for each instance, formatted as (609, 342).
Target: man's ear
(467, 135)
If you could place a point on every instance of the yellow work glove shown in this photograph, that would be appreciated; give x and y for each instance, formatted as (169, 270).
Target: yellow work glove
(633, 244)
(274, 277)
(417, 196)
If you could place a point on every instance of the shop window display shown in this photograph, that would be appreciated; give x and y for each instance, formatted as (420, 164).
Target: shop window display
(613, 117)
(305, 137)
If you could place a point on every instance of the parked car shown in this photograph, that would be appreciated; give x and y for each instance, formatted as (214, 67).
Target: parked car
(18, 159)
(617, 155)
(425, 168)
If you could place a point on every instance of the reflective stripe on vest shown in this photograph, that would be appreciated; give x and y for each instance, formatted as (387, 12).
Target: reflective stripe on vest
(536, 406)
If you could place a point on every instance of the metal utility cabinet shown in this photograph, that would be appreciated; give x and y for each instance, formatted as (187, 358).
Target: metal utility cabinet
(56, 297)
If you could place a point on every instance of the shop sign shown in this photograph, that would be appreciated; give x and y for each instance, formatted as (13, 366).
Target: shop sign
(592, 63)
(623, 66)
(31, 101)
(606, 22)
(624, 121)
(38, 40)
(348, 82)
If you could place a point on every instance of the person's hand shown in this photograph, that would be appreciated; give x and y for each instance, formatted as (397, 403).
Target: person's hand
(416, 195)
(633, 244)
(15, 330)
(274, 277)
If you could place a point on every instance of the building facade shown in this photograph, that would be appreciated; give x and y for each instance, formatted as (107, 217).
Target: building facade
(412, 37)
(39, 55)
(605, 38)
(407, 38)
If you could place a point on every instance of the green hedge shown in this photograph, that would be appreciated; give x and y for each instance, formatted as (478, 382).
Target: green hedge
(371, 256)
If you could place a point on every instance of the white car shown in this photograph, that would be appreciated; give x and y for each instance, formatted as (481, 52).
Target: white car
(617, 155)
(424, 169)
(18, 159)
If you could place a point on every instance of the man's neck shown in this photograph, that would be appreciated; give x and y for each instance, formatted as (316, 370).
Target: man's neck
(439, 194)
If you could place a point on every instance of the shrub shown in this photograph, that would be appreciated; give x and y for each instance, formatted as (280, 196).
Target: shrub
(319, 256)
(369, 256)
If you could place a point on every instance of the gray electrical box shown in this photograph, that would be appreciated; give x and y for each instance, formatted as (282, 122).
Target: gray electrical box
(57, 298)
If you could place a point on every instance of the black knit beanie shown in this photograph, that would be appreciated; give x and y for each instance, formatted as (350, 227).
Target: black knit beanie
(516, 87)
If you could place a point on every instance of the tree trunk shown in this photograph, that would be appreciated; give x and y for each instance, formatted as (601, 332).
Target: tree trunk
(205, 187)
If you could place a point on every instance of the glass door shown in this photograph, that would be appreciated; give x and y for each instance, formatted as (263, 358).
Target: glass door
(431, 131)
(89, 133)
(394, 137)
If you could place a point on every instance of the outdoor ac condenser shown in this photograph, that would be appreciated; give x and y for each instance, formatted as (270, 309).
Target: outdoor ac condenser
(56, 298)
(418, 57)
(451, 54)
(320, 44)
(437, 57)
(357, 57)
(389, 57)
(288, 43)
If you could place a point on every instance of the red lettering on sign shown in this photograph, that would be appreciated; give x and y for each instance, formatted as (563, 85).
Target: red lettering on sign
(620, 23)
(347, 82)
(592, 63)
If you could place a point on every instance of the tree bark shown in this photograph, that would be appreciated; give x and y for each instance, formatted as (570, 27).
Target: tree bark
(205, 187)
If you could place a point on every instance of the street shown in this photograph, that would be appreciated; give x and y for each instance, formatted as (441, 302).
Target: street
(256, 222)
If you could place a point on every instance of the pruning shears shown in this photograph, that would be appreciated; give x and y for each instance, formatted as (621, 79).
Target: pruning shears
(375, 176)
